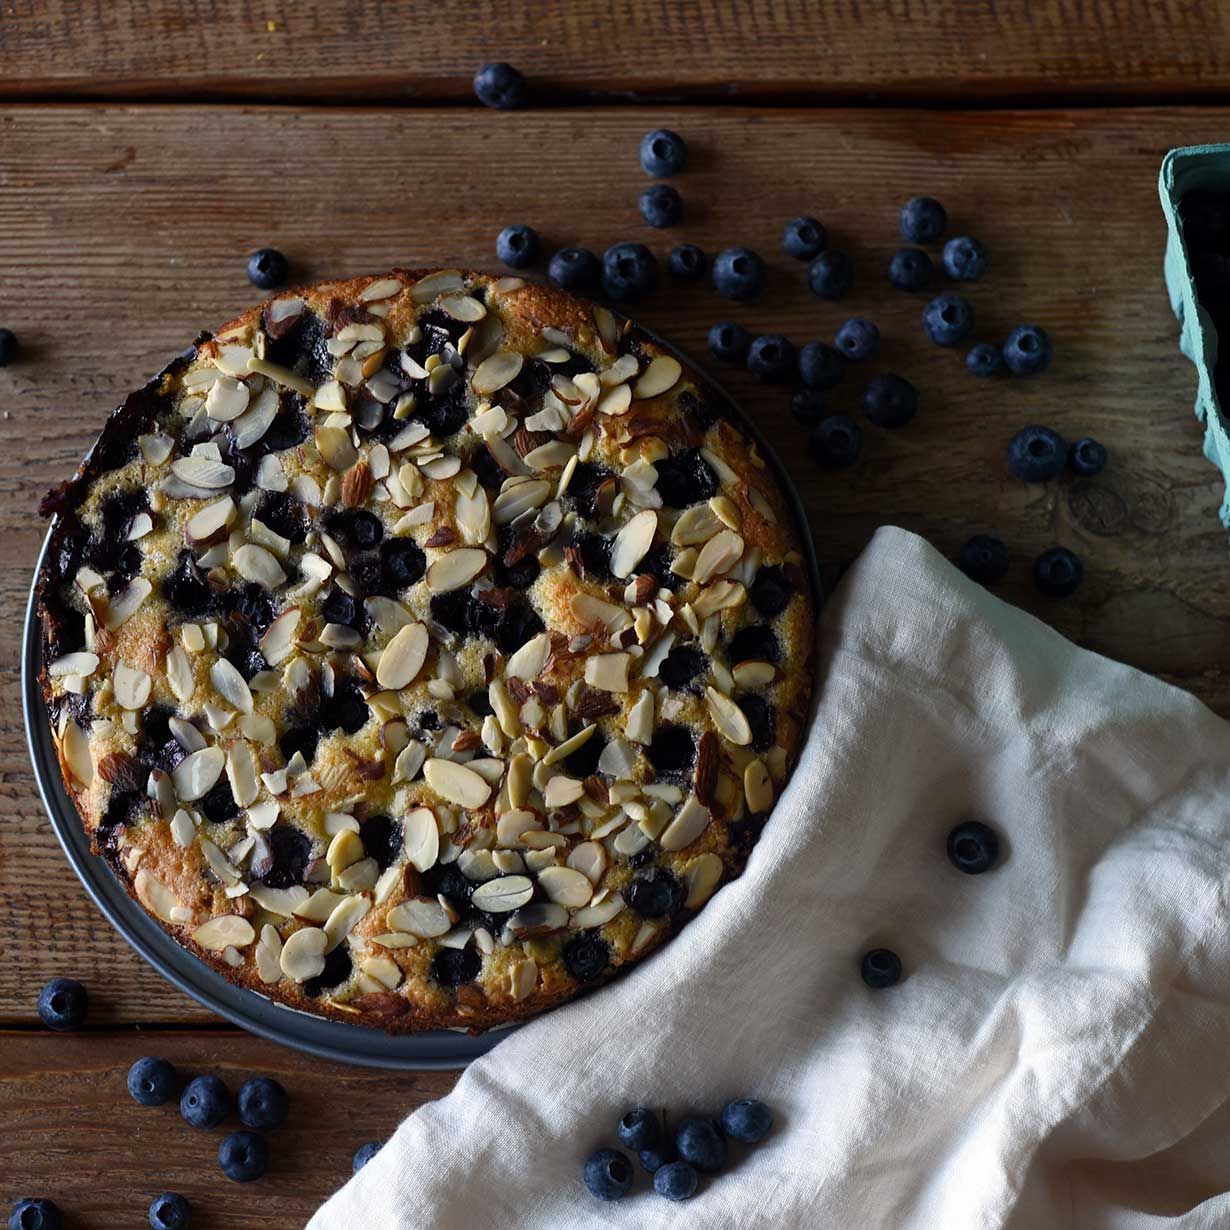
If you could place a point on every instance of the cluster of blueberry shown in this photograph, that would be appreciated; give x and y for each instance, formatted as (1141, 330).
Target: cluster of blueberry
(698, 1146)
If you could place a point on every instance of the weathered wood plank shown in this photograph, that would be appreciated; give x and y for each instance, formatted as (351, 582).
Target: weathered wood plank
(123, 231)
(636, 49)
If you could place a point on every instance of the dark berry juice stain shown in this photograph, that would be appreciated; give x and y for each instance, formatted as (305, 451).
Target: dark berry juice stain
(291, 851)
(186, 591)
(453, 967)
(300, 739)
(583, 487)
(284, 515)
(685, 479)
(382, 839)
(672, 751)
(681, 666)
(761, 717)
(583, 762)
(754, 643)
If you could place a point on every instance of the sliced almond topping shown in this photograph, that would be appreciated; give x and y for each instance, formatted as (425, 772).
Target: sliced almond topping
(227, 400)
(719, 554)
(729, 719)
(384, 288)
(283, 901)
(156, 897)
(241, 772)
(640, 723)
(590, 859)
(754, 673)
(231, 685)
(349, 912)
(624, 368)
(390, 616)
(528, 661)
(422, 838)
(598, 915)
(563, 750)
(661, 375)
(520, 498)
(503, 894)
(758, 787)
(226, 930)
(196, 775)
(455, 569)
(336, 448)
(268, 955)
(695, 525)
(494, 372)
(566, 886)
(403, 657)
(426, 289)
(258, 565)
(279, 638)
(424, 917)
(522, 979)
(283, 376)
(125, 604)
(689, 823)
(132, 687)
(202, 472)
(456, 783)
(75, 746)
(632, 542)
(616, 401)
(210, 521)
(608, 671)
(463, 307)
(473, 515)
(303, 954)
(74, 664)
(156, 448)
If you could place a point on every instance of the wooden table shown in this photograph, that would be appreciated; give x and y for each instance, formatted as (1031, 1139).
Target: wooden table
(142, 156)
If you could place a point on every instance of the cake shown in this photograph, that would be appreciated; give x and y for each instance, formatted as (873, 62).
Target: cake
(421, 650)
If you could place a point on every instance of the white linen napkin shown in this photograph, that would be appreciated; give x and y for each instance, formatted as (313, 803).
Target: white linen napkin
(1056, 1055)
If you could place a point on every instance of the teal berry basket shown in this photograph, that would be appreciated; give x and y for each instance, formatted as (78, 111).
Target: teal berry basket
(1185, 169)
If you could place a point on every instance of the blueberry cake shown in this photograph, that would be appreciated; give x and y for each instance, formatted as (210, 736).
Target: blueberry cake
(422, 649)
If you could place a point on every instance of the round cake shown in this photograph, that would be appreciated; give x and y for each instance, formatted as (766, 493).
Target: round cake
(421, 650)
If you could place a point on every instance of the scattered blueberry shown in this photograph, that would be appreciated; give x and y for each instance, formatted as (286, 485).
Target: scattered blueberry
(890, 401)
(35, 1215)
(654, 894)
(62, 1004)
(984, 559)
(267, 268)
(517, 246)
(243, 1156)
(804, 238)
(170, 1211)
(807, 406)
(923, 219)
(152, 1081)
(965, 259)
(663, 152)
(729, 341)
(973, 847)
(364, 1154)
(608, 1174)
(837, 441)
(747, 1120)
(675, 1181)
(629, 272)
(586, 957)
(772, 358)
(984, 359)
(738, 273)
(8, 347)
(500, 86)
(1036, 454)
(820, 365)
(858, 339)
(687, 262)
(639, 1129)
(657, 1157)
(830, 275)
(263, 1104)
(1087, 457)
(700, 1142)
(910, 269)
(881, 968)
(574, 269)
(948, 319)
(661, 206)
(205, 1102)
(1058, 572)
(1027, 350)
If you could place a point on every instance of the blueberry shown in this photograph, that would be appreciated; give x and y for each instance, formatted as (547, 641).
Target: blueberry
(500, 86)
(219, 806)
(729, 341)
(1027, 350)
(807, 406)
(755, 643)
(267, 268)
(639, 1129)
(62, 1004)
(761, 717)
(454, 967)
(657, 1157)
(984, 559)
(804, 238)
(858, 339)
(1087, 457)
(663, 153)
(910, 269)
(820, 365)
(517, 246)
(575, 270)
(629, 272)
(655, 893)
(675, 1181)
(890, 401)
(608, 1174)
(364, 1154)
(837, 441)
(170, 1211)
(152, 1081)
(984, 359)
(8, 347)
(684, 479)
(687, 262)
(738, 273)
(680, 667)
(746, 1120)
(965, 259)
(948, 319)
(923, 219)
(356, 528)
(830, 275)
(672, 749)
(290, 848)
(340, 608)
(771, 591)
(383, 839)
(881, 968)
(661, 206)
(1036, 454)
(700, 1142)
(1058, 572)
(243, 1156)
(973, 847)
(35, 1215)
(772, 358)
(283, 514)
(586, 956)
(263, 1104)
(402, 561)
(206, 1101)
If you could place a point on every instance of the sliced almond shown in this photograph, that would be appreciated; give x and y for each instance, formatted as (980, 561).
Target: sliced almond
(228, 930)
(624, 368)
(456, 783)
(202, 472)
(125, 604)
(268, 955)
(729, 719)
(661, 375)
(689, 823)
(424, 917)
(75, 746)
(503, 894)
(758, 787)
(231, 685)
(303, 954)
(608, 671)
(258, 565)
(226, 400)
(383, 288)
(156, 897)
(403, 657)
(390, 616)
(633, 542)
(242, 773)
(455, 569)
(422, 838)
(695, 525)
(522, 979)
(589, 610)
(515, 500)
(73, 664)
(473, 515)
(210, 521)
(616, 401)
(494, 372)
(197, 774)
(566, 886)
(754, 673)
(335, 447)
(589, 858)
(132, 687)
(640, 723)
(283, 901)
(348, 914)
(719, 554)
(528, 661)
(600, 914)
(279, 639)
(463, 307)
(426, 289)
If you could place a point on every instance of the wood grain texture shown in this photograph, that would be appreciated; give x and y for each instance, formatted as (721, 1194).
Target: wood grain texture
(73, 1133)
(122, 231)
(628, 49)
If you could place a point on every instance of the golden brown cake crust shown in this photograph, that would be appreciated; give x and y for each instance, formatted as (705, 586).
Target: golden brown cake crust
(422, 649)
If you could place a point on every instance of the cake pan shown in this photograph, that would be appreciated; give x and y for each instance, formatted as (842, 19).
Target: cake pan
(327, 1039)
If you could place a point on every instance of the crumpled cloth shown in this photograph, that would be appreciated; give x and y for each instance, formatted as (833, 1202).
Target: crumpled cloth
(1058, 1052)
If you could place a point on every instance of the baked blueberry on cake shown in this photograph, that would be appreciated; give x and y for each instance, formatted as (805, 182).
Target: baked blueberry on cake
(422, 649)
